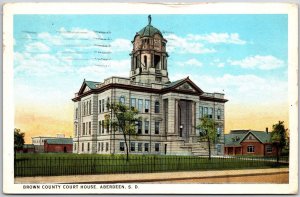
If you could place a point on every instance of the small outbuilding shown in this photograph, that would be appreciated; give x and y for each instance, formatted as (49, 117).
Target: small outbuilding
(58, 145)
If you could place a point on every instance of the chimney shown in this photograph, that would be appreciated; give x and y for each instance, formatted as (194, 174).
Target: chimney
(267, 130)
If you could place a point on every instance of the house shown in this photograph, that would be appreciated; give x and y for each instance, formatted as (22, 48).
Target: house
(249, 142)
(27, 148)
(169, 111)
(39, 141)
(58, 145)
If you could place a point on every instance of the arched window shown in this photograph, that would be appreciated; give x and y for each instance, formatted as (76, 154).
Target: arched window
(156, 108)
(122, 100)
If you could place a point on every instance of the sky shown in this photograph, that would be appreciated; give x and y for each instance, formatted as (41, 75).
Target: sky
(243, 56)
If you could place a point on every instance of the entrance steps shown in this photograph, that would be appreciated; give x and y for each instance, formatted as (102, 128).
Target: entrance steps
(197, 149)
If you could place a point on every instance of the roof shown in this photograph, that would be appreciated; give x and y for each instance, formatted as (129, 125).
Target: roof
(174, 83)
(149, 31)
(60, 141)
(91, 84)
(235, 137)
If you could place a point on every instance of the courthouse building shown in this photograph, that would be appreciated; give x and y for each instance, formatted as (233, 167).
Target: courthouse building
(169, 111)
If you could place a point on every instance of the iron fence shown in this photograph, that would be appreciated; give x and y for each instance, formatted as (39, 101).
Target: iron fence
(56, 166)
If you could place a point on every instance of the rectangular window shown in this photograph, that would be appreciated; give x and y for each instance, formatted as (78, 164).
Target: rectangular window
(205, 111)
(140, 105)
(269, 148)
(88, 148)
(132, 146)
(210, 112)
(107, 145)
(102, 146)
(76, 113)
(156, 127)
(99, 106)
(218, 148)
(218, 114)
(250, 149)
(140, 147)
(102, 126)
(99, 146)
(75, 129)
(83, 129)
(122, 147)
(90, 128)
(146, 127)
(156, 147)
(102, 105)
(219, 132)
(146, 147)
(75, 146)
(99, 129)
(132, 103)
(122, 100)
(82, 147)
(147, 106)
(107, 127)
(140, 126)
(200, 112)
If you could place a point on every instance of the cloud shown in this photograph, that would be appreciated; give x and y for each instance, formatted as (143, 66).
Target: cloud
(261, 62)
(242, 89)
(191, 62)
(177, 44)
(225, 38)
(121, 45)
(37, 47)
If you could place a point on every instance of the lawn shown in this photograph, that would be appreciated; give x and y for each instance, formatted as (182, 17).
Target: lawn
(47, 164)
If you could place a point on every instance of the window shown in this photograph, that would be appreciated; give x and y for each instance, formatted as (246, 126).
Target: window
(86, 128)
(156, 109)
(139, 127)
(90, 128)
(250, 149)
(107, 102)
(122, 148)
(99, 146)
(88, 146)
(147, 103)
(140, 147)
(210, 112)
(75, 129)
(218, 148)
(219, 132)
(90, 108)
(205, 111)
(82, 147)
(102, 146)
(156, 127)
(102, 105)
(83, 106)
(132, 103)
(156, 147)
(146, 127)
(76, 113)
(106, 146)
(107, 127)
(146, 147)
(269, 148)
(122, 100)
(83, 128)
(99, 106)
(132, 146)
(200, 112)
(102, 126)
(140, 105)
(75, 146)
(99, 127)
(145, 59)
(218, 114)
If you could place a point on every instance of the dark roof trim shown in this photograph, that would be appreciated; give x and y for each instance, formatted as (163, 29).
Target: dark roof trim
(206, 98)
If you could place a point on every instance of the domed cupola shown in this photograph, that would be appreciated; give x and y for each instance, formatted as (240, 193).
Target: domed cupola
(149, 56)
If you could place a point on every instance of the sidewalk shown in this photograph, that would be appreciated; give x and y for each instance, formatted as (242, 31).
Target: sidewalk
(148, 177)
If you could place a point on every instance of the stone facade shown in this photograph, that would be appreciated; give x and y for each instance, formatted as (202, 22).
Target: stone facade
(169, 110)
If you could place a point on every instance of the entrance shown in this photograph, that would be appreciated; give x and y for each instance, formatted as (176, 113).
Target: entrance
(184, 119)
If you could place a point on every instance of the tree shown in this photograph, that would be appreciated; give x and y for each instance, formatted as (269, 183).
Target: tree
(126, 119)
(18, 140)
(278, 137)
(208, 132)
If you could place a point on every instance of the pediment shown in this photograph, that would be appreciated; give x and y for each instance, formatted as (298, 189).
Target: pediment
(86, 89)
(186, 86)
(250, 138)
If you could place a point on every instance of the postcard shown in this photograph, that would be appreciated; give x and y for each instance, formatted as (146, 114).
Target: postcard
(149, 98)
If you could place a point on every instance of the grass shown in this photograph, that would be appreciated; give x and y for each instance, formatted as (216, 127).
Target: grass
(47, 164)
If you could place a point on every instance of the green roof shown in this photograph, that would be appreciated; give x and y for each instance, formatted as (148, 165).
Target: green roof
(60, 141)
(149, 31)
(91, 84)
(237, 136)
(174, 83)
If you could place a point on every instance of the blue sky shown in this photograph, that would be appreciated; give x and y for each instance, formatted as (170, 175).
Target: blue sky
(243, 56)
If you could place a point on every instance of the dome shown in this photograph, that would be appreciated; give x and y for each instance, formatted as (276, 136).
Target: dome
(149, 30)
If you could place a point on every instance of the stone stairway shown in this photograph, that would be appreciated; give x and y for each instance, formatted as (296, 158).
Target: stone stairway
(197, 149)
